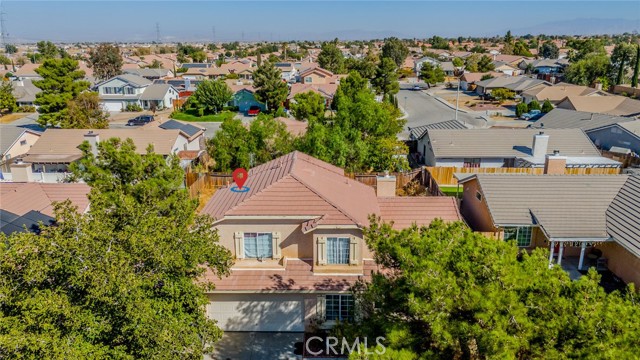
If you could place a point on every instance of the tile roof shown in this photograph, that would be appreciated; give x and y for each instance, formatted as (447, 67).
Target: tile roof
(132, 79)
(326, 90)
(571, 119)
(39, 196)
(420, 210)
(560, 91)
(9, 135)
(565, 206)
(62, 144)
(294, 127)
(515, 83)
(24, 90)
(612, 105)
(297, 275)
(156, 92)
(477, 76)
(507, 142)
(623, 214)
(419, 131)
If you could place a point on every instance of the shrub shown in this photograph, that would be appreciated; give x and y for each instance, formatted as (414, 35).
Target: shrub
(521, 109)
(534, 105)
(546, 106)
(27, 109)
(231, 108)
(231, 76)
(133, 108)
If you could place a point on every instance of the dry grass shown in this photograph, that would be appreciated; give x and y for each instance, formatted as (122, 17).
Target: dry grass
(9, 118)
(204, 196)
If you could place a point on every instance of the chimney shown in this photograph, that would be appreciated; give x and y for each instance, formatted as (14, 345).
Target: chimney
(386, 185)
(555, 164)
(93, 140)
(540, 144)
(598, 86)
(21, 172)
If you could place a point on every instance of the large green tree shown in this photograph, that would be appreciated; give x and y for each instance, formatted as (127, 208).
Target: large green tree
(622, 61)
(122, 281)
(7, 100)
(270, 88)
(396, 50)
(588, 70)
(450, 293)
(331, 58)
(47, 50)
(431, 74)
(549, 50)
(636, 68)
(308, 106)
(385, 81)
(106, 61)
(85, 112)
(212, 95)
(61, 82)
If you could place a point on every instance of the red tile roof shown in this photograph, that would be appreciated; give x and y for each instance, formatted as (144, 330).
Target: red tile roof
(421, 210)
(20, 198)
(297, 275)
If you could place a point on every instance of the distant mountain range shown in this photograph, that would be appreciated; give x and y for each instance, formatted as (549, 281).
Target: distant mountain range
(581, 27)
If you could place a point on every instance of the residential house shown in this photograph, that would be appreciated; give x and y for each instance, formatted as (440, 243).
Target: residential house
(506, 68)
(27, 72)
(496, 148)
(611, 105)
(316, 75)
(288, 71)
(198, 73)
(49, 158)
(158, 96)
(517, 84)
(327, 91)
(559, 92)
(294, 127)
(25, 206)
(607, 132)
(448, 68)
(14, 142)
(512, 60)
(121, 91)
(544, 66)
(244, 96)
(417, 64)
(296, 234)
(193, 134)
(584, 220)
(468, 80)
(25, 92)
(150, 74)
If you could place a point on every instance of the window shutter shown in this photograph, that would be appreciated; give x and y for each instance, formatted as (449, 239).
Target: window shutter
(277, 252)
(322, 251)
(353, 251)
(320, 307)
(239, 243)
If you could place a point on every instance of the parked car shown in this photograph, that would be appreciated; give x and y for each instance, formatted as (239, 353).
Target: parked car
(416, 88)
(140, 120)
(532, 115)
(253, 111)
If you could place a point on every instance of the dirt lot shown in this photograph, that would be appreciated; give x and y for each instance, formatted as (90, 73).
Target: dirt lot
(9, 118)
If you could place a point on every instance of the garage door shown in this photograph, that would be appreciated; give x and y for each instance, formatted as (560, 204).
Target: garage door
(257, 312)
(113, 106)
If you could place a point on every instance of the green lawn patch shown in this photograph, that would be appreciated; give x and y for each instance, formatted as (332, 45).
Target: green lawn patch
(220, 117)
(451, 190)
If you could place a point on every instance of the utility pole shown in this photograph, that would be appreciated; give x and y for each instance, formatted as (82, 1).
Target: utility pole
(3, 27)
(158, 32)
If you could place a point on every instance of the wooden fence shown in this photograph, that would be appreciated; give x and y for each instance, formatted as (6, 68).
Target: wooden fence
(444, 175)
(628, 160)
(201, 182)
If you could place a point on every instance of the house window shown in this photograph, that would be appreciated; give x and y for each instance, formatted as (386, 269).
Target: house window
(118, 90)
(23, 142)
(130, 91)
(478, 195)
(339, 307)
(471, 162)
(107, 90)
(521, 234)
(258, 245)
(337, 250)
(308, 79)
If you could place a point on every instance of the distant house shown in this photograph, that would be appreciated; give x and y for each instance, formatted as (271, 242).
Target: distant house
(297, 239)
(590, 219)
(150, 74)
(244, 98)
(448, 68)
(496, 148)
(316, 75)
(288, 72)
(160, 96)
(25, 92)
(27, 205)
(517, 84)
(14, 142)
(327, 91)
(506, 68)
(559, 92)
(544, 66)
(607, 132)
(417, 64)
(120, 91)
(611, 105)
(27, 72)
(468, 80)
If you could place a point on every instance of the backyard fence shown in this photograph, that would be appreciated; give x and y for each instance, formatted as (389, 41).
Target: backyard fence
(444, 176)
(627, 160)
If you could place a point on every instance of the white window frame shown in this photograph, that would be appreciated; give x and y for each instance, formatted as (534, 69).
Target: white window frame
(518, 231)
(343, 300)
(336, 241)
(257, 235)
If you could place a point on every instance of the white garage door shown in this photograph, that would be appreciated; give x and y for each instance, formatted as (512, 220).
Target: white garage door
(113, 106)
(257, 312)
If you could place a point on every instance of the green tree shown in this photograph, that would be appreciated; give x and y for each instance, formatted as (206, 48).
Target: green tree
(450, 293)
(308, 106)
(10, 49)
(396, 50)
(521, 109)
(478, 49)
(85, 112)
(270, 89)
(534, 105)
(546, 106)
(106, 61)
(431, 74)
(439, 43)
(47, 49)
(61, 82)
(471, 62)
(623, 58)
(457, 62)
(385, 81)
(521, 48)
(549, 50)
(212, 95)
(636, 68)
(123, 280)
(587, 70)
(198, 56)
(585, 47)
(485, 64)
(503, 94)
(155, 64)
(331, 58)
(7, 100)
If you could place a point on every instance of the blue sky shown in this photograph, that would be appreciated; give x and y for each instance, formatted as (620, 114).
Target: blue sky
(285, 20)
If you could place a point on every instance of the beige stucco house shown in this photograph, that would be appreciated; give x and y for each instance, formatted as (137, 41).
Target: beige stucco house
(297, 236)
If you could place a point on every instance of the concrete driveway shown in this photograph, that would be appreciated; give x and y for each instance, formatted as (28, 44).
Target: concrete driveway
(256, 346)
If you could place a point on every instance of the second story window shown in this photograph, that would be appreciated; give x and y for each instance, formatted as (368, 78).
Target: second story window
(258, 245)
(338, 250)
(308, 79)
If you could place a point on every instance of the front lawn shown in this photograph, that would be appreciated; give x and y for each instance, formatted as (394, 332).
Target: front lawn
(190, 116)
